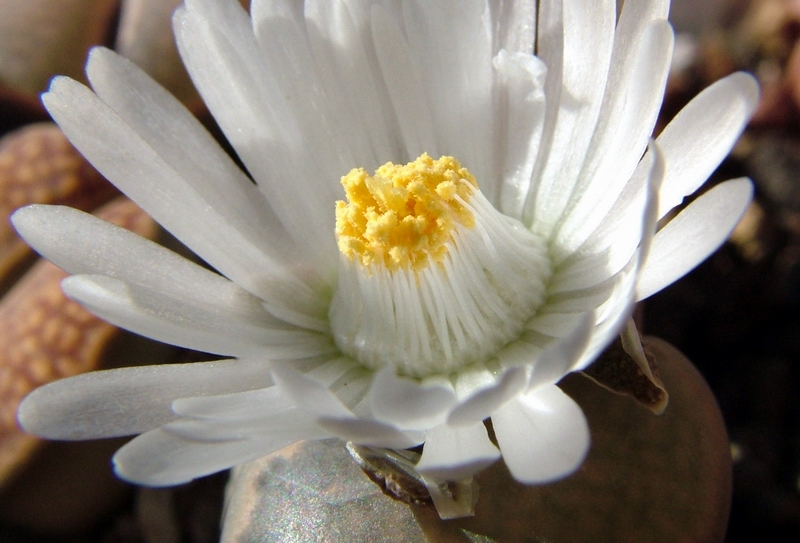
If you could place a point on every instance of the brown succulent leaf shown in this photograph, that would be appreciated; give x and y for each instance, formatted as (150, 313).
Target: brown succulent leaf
(626, 368)
(656, 479)
(38, 165)
(66, 490)
(18, 109)
(45, 336)
(43, 38)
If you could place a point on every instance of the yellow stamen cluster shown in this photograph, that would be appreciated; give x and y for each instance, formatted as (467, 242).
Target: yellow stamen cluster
(403, 216)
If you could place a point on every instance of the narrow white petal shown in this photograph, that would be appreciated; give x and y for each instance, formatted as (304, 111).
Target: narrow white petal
(125, 157)
(217, 44)
(455, 454)
(613, 314)
(522, 78)
(130, 400)
(405, 85)
(409, 404)
(483, 402)
(332, 415)
(184, 322)
(158, 458)
(635, 15)
(557, 360)
(555, 325)
(543, 435)
(371, 432)
(281, 428)
(451, 46)
(61, 234)
(579, 299)
(80, 243)
(575, 42)
(631, 105)
(610, 248)
(308, 393)
(179, 138)
(703, 133)
(693, 235)
(239, 405)
(331, 138)
(341, 39)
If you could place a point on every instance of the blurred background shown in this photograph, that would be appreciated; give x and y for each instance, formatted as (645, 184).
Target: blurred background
(737, 316)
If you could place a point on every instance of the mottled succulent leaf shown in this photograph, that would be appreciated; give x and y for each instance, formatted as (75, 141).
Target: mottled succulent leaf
(39, 166)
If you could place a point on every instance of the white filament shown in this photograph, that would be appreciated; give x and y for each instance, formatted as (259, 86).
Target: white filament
(452, 313)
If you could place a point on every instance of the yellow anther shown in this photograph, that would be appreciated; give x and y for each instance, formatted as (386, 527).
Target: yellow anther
(403, 216)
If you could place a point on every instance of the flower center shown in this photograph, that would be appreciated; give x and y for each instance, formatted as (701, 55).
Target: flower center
(403, 215)
(431, 277)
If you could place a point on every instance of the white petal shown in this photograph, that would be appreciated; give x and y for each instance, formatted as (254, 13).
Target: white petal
(131, 162)
(613, 314)
(405, 85)
(451, 46)
(341, 39)
(179, 138)
(554, 324)
(329, 133)
(80, 243)
(308, 393)
(693, 235)
(575, 42)
(543, 435)
(158, 458)
(409, 404)
(703, 133)
(557, 360)
(217, 44)
(332, 415)
(579, 300)
(130, 400)
(611, 247)
(282, 428)
(239, 405)
(641, 13)
(483, 402)
(454, 454)
(630, 109)
(184, 322)
(522, 78)
(370, 432)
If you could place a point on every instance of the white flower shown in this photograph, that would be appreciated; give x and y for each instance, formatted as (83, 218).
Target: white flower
(414, 328)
